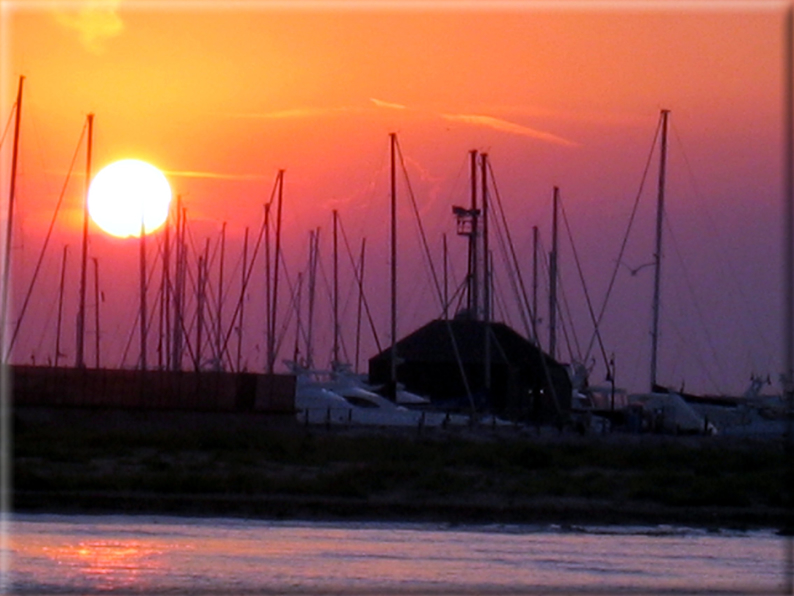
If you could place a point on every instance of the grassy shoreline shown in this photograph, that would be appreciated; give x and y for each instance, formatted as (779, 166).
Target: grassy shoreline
(457, 477)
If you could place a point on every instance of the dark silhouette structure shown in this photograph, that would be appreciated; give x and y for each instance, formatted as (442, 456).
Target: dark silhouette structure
(524, 384)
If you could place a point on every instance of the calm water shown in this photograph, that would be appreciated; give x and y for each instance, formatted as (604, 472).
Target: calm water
(153, 555)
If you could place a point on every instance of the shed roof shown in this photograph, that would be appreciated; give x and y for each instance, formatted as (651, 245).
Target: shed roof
(432, 343)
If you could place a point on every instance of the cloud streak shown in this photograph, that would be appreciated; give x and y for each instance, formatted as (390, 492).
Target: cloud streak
(479, 120)
(387, 104)
(509, 127)
(95, 21)
(293, 113)
(212, 175)
(488, 122)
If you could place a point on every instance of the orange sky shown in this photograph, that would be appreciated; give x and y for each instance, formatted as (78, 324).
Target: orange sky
(221, 98)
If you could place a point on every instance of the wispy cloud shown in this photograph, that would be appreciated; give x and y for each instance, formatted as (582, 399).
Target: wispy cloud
(387, 104)
(292, 113)
(95, 21)
(509, 127)
(213, 175)
(472, 119)
(620, 118)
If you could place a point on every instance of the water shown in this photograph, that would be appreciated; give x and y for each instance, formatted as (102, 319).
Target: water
(50, 554)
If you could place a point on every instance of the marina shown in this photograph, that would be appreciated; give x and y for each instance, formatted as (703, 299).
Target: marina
(412, 298)
(440, 374)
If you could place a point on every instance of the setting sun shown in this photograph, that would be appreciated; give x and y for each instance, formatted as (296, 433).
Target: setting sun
(126, 193)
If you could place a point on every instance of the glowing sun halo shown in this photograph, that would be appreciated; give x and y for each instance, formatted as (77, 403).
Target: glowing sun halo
(126, 192)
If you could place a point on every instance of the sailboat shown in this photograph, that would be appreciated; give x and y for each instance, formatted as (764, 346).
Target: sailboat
(678, 411)
(668, 410)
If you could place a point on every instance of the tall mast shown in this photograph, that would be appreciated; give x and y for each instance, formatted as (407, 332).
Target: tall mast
(277, 258)
(179, 285)
(96, 309)
(142, 245)
(553, 278)
(299, 291)
(657, 257)
(79, 359)
(314, 243)
(242, 300)
(473, 298)
(165, 299)
(486, 294)
(199, 313)
(534, 317)
(219, 326)
(60, 306)
(393, 361)
(174, 248)
(360, 298)
(336, 292)
(486, 272)
(203, 268)
(268, 280)
(12, 189)
(161, 311)
(446, 277)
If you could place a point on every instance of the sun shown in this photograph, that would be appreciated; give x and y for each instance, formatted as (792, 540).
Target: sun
(126, 193)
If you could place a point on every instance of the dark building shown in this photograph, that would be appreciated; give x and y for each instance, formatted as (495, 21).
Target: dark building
(520, 382)
(155, 390)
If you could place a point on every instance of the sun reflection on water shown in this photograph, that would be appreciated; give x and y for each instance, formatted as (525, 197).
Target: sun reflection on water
(108, 563)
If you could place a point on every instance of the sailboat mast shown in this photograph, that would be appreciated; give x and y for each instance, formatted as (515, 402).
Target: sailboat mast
(473, 298)
(298, 295)
(179, 286)
(486, 296)
(277, 258)
(486, 272)
(142, 245)
(203, 273)
(657, 258)
(176, 331)
(60, 306)
(242, 301)
(96, 309)
(314, 245)
(393, 361)
(165, 300)
(79, 358)
(267, 287)
(360, 298)
(534, 314)
(161, 311)
(9, 220)
(446, 276)
(219, 318)
(336, 291)
(553, 278)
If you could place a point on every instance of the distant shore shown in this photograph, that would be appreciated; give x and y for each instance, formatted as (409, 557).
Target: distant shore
(460, 477)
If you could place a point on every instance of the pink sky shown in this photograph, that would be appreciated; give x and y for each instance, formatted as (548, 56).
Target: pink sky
(221, 98)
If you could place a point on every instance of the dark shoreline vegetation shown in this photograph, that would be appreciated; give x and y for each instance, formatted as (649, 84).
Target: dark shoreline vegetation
(461, 476)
